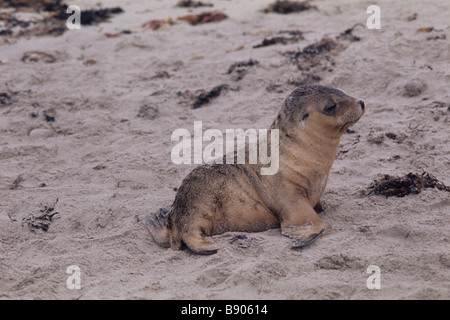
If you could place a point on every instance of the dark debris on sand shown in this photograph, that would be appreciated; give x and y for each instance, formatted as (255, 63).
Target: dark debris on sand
(204, 17)
(313, 54)
(41, 221)
(348, 34)
(239, 69)
(411, 183)
(248, 63)
(294, 36)
(6, 99)
(305, 79)
(206, 97)
(89, 17)
(16, 183)
(38, 5)
(148, 111)
(192, 4)
(54, 24)
(285, 7)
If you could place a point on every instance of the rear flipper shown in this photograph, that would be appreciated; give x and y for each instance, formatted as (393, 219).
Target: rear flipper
(156, 223)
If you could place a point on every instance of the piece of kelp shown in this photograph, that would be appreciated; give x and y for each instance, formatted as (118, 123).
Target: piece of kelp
(58, 8)
(192, 4)
(285, 7)
(295, 35)
(312, 55)
(54, 24)
(89, 17)
(248, 63)
(348, 34)
(390, 186)
(204, 17)
(41, 221)
(205, 97)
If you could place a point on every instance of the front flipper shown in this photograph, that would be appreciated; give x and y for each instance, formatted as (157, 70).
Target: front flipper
(301, 223)
(301, 243)
(198, 244)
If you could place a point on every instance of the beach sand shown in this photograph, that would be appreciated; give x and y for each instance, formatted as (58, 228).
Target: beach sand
(92, 128)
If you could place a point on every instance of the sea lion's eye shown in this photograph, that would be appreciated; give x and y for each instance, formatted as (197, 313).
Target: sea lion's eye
(305, 116)
(330, 110)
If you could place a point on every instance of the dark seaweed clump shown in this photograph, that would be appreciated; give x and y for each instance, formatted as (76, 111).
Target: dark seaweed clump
(313, 54)
(206, 97)
(285, 7)
(43, 220)
(295, 35)
(55, 23)
(89, 17)
(248, 63)
(318, 48)
(192, 4)
(411, 183)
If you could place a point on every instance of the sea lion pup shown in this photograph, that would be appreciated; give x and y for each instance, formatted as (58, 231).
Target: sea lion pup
(217, 198)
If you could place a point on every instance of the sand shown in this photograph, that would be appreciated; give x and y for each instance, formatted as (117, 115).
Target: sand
(105, 155)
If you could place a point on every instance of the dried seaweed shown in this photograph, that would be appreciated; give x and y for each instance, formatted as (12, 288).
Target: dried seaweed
(241, 241)
(348, 34)
(313, 54)
(412, 17)
(89, 17)
(192, 4)
(206, 97)
(427, 29)
(148, 111)
(414, 88)
(38, 56)
(5, 99)
(411, 183)
(285, 7)
(55, 23)
(438, 37)
(158, 24)
(38, 5)
(41, 221)
(295, 36)
(16, 183)
(204, 17)
(248, 63)
(318, 48)
(239, 69)
(50, 115)
(399, 138)
(305, 79)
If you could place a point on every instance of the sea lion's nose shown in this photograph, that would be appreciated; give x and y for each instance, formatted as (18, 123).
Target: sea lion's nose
(362, 104)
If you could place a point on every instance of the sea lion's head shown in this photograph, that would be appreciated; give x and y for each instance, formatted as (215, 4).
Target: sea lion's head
(323, 109)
